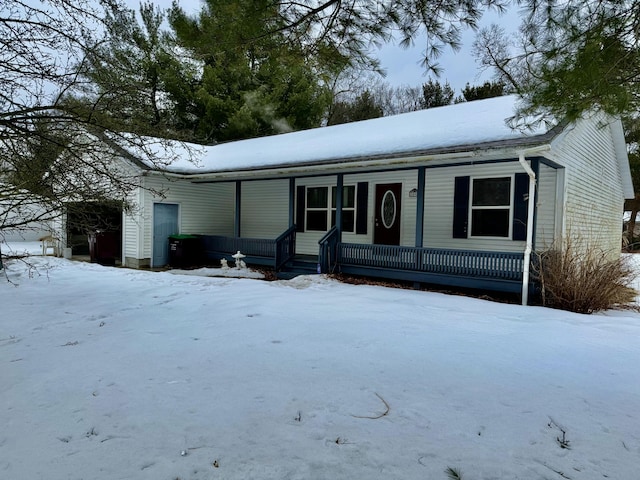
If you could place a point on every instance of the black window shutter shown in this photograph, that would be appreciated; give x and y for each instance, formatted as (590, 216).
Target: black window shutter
(461, 207)
(300, 207)
(362, 201)
(520, 206)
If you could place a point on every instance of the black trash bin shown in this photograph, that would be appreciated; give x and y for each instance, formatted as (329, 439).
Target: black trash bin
(185, 251)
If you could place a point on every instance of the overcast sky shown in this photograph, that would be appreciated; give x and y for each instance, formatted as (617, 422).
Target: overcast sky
(403, 65)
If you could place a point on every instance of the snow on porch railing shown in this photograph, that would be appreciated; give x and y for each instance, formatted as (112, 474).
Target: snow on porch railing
(498, 265)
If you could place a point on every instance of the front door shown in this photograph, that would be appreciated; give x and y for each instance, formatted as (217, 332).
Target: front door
(387, 222)
(165, 223)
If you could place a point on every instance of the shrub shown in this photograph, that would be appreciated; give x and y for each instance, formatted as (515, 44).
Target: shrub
(583, 279)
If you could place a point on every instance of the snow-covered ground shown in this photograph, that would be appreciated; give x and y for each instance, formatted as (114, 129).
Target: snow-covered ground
(109, 373)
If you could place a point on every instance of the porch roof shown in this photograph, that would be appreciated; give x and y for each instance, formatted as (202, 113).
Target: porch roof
(459, 127)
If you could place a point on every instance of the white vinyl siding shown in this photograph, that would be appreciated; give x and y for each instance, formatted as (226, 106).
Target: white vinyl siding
(546, 207)
(205, 208)
(439, 196)
(593, 185)
(131, 236)
(264, 208)
(132, 228)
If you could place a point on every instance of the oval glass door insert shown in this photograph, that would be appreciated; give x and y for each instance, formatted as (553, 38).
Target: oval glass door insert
(388, 209)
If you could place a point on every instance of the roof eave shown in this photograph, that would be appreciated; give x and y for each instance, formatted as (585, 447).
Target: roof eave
(376, 160)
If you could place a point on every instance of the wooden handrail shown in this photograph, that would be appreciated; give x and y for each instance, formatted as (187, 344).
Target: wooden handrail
(328, 254)
(285, 247)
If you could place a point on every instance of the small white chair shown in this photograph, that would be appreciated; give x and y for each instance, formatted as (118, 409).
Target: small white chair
(49, 241)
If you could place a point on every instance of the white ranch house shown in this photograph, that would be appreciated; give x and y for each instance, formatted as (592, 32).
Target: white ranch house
(449, 195)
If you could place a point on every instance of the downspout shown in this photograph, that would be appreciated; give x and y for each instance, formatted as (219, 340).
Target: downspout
(530, 212)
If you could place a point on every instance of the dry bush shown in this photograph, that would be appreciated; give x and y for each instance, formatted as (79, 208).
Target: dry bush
(583, 279)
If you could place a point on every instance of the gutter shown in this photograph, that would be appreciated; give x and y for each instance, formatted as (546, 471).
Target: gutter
(530, 212)
(333, 166)
(287, 170)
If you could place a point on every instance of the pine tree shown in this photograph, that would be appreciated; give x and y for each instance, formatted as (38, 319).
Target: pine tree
(436, 95)
(255, 80)
(569, 57)
(363, 107)
(137, 71)
(486, 90)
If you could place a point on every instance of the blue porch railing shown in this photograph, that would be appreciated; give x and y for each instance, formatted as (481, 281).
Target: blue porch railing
(260, 247)
(285, 247)
(327, 255)
(466, 268)
(262, 251)
(502, 271)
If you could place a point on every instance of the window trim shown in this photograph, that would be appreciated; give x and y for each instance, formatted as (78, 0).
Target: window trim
(329, 208)
(510, 207)
(308, 209)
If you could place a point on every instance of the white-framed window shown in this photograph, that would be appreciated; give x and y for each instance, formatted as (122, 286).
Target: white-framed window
(491, 207)
(317, 208)
(320, 211)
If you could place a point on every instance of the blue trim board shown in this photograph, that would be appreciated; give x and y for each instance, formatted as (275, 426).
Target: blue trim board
(420, 207)
(339, 186)
(548, 163)
(292, 201)
(237, 218)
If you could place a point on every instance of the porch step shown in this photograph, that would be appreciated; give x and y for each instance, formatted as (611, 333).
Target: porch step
(299, 266)
(302, 265)
(287, 275)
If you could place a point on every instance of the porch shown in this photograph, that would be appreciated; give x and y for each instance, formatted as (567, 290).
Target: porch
(496, 271)
(348, 208)
(258, 251)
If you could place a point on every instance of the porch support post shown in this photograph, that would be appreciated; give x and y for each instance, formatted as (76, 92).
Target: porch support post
(236, 230)
(339, 188)
(420, 207)
(292, 200)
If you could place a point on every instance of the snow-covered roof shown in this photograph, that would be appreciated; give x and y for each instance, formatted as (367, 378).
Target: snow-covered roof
(436, 129)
